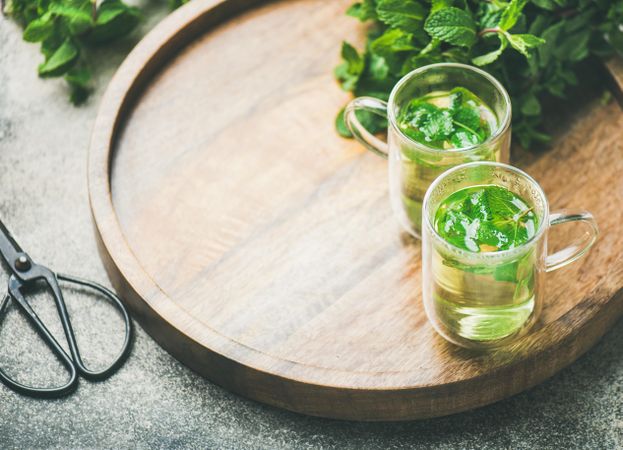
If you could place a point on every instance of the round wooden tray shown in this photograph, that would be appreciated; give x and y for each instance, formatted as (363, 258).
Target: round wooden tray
(259, 248)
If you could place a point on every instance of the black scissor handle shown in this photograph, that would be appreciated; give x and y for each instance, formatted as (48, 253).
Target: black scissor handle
(45, 334)
(69, 332)
(74, 364)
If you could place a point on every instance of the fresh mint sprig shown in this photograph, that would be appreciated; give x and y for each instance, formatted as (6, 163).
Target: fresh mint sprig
(533, 47)
(68, 29)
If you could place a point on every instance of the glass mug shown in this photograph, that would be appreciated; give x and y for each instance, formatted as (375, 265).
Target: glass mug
(485, 300)
(413, 166)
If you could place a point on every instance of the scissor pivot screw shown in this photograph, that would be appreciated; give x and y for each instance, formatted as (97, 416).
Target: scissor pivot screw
(22, 264)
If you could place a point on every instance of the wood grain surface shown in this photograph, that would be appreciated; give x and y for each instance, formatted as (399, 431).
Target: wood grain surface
(259, 248)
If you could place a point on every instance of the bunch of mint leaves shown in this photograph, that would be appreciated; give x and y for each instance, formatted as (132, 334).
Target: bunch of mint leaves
(68, 29)
(533, 47)
(457, 126)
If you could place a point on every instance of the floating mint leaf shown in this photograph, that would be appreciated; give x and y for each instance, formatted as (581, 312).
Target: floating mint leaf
(459, 125)
(485, 218)
(438, 125)
(464, 138)
(468, 118)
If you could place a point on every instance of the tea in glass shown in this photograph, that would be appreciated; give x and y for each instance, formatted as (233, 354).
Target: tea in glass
(484, 252)
(485, 302)
(439, 116)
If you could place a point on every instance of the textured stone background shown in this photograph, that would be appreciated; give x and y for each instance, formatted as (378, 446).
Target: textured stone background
(155, 402)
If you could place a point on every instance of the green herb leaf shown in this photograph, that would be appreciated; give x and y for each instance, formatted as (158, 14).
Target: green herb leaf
(492, 56)
(436, 5)
(379, 70)
(39, 29)
(405, 14)
(65, 28)
(452, 25)
(511, 14)
(574, 47)
(79, 77)
(349, 72)
(468, 119)
(550, 36)
(531, 106)
(78, 19)
(79, 82)
(365, 10)
(524, 42)
(115, 19)
(437, 126)
(463, 138)
(340, 125)
(391, 42)
(63, 58)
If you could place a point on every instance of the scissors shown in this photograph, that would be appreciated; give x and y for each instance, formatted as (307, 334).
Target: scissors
(24, 273)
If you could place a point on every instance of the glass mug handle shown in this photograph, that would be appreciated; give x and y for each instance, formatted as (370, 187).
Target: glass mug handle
(374, 106)
(577, 249)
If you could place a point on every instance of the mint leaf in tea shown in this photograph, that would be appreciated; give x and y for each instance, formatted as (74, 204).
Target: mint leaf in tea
(485, 219)
(447, 119)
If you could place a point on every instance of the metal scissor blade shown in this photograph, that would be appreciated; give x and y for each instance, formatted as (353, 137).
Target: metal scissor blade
(9, 248)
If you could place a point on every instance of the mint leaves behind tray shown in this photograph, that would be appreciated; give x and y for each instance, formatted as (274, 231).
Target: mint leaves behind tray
(457, 126)
(532, 47)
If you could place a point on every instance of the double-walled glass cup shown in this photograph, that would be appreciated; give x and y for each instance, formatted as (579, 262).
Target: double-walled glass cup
(485, 300)
(413, 166)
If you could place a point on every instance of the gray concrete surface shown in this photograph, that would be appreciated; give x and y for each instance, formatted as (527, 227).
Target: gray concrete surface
(155, 402)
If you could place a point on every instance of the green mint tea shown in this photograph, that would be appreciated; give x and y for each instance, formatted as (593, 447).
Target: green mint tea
(442, 121)
(480, 300)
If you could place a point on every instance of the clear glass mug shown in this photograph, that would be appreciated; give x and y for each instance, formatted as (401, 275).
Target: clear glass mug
(486, 300)
(412, 165)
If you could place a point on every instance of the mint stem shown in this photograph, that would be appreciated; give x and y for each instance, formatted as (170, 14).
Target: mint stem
(474, 132)
(488, 30)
